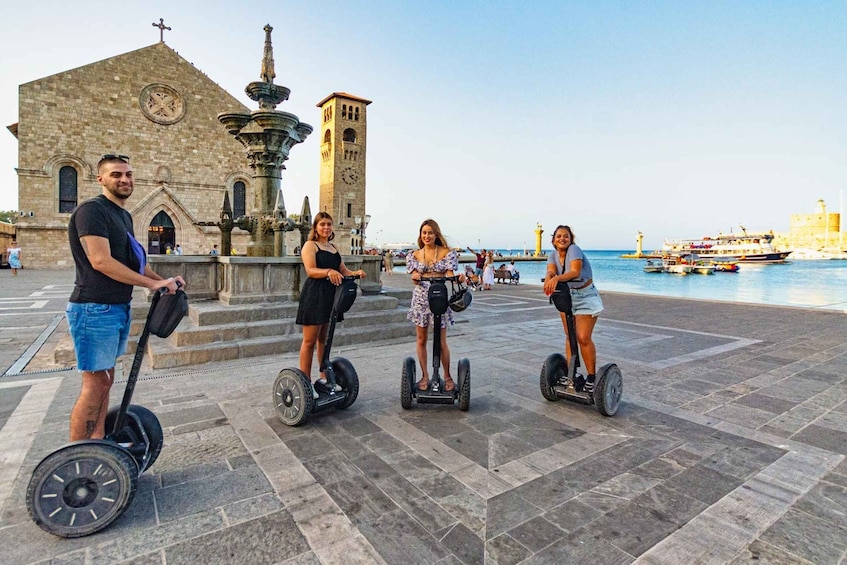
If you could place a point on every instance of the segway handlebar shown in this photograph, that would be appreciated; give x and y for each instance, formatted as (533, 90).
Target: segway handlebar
(440, 279)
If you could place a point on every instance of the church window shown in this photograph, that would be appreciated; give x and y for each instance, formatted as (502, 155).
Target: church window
(344, 111)
(350, 135)
(357, 114)
(327, 136)
(239, 200)
(67, 189)
(349, 209)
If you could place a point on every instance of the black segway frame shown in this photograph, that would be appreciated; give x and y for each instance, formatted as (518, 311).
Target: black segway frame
(86, 485)
(557, 374)
(292, 392)
(435, 393)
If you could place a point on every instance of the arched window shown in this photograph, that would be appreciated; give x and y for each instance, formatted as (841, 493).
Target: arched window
(327, 136)
(356, 114)
(67, 189)
(239, 200)
(350, 135)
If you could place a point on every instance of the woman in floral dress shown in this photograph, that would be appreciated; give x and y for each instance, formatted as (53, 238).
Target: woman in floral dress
(433, 259)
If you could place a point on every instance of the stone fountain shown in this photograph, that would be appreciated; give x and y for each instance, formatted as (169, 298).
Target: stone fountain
(268, 136)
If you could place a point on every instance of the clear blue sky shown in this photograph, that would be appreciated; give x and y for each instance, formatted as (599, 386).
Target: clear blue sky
(679, 119)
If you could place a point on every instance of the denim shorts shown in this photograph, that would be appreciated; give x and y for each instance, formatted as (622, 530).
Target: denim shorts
(586, 301)
(100, 333)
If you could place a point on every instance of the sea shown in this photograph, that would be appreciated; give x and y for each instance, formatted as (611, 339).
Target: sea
(808, 284)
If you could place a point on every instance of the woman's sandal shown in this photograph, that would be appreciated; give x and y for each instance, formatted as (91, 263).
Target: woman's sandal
(423, 384)
(449, 385)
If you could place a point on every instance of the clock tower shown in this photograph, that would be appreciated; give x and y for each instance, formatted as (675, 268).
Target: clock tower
(344, 128)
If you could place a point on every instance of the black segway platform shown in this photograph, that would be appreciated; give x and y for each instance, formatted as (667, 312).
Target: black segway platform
(558, 377)
(88, 484)
(292, 392)
(435, 393)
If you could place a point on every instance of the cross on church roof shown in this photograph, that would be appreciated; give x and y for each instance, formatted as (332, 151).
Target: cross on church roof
(162, 27)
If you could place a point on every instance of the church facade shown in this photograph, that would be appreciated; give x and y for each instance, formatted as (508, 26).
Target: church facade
(152, 106)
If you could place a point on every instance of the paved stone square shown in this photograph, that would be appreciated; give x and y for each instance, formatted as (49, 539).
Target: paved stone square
(729, 447)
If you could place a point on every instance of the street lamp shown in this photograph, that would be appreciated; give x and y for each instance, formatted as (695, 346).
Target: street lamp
(361, 226)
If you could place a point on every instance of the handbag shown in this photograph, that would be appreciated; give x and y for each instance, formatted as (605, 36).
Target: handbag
(167, 312)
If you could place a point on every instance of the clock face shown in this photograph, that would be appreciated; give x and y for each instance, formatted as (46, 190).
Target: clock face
(349, 175)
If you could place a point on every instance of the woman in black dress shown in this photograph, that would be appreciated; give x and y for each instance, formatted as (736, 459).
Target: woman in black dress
(324, 271)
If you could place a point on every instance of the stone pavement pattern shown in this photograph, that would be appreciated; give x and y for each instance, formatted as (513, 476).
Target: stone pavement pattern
(729, 448)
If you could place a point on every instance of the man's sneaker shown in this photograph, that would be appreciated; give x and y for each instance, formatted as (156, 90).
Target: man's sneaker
(589, 384)
(579, 383)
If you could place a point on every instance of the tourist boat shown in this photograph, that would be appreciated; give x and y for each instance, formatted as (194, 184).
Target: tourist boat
(654, 266)
(744, 248)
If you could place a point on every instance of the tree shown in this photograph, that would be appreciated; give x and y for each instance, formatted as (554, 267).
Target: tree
(9, 216)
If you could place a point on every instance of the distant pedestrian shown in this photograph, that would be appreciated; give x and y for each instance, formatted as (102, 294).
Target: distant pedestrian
(178, 250)
(14, 256)
(388, 261)
(488, 271)
(214, 250)
(480, 261)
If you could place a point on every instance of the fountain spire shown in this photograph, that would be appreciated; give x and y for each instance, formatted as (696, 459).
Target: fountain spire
(268, 75)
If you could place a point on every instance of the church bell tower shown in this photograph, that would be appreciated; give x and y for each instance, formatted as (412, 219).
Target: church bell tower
(344, 128)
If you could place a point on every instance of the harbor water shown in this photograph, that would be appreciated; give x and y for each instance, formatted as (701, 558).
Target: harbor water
(809, 284)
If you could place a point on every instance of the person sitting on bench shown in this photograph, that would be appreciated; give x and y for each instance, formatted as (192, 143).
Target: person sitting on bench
(514, 274)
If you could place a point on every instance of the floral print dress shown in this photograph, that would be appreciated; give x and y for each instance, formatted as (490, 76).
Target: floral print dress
(419, 312)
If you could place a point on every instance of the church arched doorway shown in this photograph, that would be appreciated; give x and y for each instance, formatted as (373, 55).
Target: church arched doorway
(160, 234)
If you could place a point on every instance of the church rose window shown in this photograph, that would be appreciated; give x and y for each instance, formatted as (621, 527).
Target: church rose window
(67, 189)
(239, 200)
(162, 104)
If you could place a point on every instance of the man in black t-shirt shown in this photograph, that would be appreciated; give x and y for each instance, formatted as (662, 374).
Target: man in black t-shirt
(109, 262)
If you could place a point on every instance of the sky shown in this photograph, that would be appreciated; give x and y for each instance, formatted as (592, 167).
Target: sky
(676, 119)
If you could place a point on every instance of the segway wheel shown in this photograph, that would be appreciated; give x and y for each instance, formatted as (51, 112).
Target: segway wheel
(464, 384)
(348, 379)
(142, 426)
(407, 383)
(552, 370)
(608, 389)
(292, 397)
(82, 488)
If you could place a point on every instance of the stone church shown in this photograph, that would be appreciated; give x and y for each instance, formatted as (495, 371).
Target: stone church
(151, 105)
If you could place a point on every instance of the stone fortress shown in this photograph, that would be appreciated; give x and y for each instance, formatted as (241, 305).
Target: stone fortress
(160, 110)
(819, 231)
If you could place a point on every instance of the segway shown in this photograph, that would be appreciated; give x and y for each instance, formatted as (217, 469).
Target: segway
(293, 396)
(435, 393)
(88, 484)
(558, 376)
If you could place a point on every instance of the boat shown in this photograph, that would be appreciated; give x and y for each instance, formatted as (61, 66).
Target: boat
(725, 265)
(674, 264)
(698, 265)
(744, 248)
(654, 266)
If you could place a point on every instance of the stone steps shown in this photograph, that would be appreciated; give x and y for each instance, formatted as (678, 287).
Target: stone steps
(162, 355)
(215, 332)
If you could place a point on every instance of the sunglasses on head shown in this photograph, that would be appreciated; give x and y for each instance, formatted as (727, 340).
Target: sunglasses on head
(123, 158)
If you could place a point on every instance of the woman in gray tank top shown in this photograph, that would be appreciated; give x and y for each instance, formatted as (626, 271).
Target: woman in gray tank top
(567, 263)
